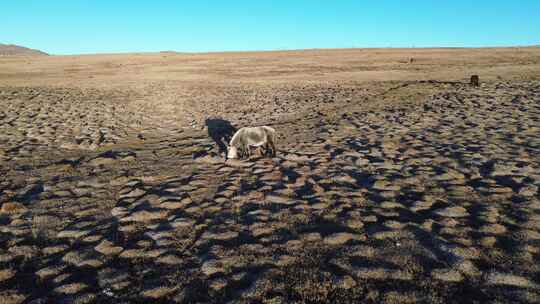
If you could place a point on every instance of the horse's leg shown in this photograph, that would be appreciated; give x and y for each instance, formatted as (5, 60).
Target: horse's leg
(267, 149)
(242, 146)
(243, 154)
(258, 151)
(270, 142)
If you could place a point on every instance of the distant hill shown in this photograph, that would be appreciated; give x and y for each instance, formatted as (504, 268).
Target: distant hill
(15, 50)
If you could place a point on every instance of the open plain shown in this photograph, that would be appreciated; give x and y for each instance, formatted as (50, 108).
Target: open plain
(395, 180)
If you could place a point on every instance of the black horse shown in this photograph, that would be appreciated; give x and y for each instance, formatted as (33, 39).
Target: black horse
(220, 131)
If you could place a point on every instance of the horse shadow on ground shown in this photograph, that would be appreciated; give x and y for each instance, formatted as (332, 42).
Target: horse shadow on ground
(221, 132)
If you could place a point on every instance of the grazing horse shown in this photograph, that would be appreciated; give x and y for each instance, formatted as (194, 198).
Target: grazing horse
(248, 137)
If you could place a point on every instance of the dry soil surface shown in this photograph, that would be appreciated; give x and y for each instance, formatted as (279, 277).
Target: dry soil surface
(395, 180)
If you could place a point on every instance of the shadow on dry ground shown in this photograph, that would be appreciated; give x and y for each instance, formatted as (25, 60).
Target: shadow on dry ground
(394, 197)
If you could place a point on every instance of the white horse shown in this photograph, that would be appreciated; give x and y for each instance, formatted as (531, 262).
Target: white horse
(248, 137)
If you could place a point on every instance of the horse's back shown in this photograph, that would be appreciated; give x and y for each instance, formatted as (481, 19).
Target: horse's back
(258, 134)
(269, 129)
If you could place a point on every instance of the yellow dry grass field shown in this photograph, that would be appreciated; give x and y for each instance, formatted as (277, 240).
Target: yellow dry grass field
(395, 179)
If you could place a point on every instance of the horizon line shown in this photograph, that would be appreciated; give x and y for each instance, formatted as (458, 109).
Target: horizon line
(281, 49)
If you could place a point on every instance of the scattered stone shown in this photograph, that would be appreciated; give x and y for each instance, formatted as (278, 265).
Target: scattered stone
(276, 199)
(12, 297)
(158, 292)
(468, 268)
(145, 216)
(137, 192)
(341, 238)
(13, 208)
(182, 223)
(455, 211)
(354, 224)
(85, 298)
(72, 234)
(382, 274)
(101, 161)
(169, 260)
(54, 249)
(421, 205)
(447, 275)
(262, 231)
(286, 260)
(528, 191)
(223, 236)
(346, 282)
(49, 271)
(70, 289)
(119, 212)
(171, 205)
(107, 248)
(391, 205)
(211, 267)
(28, 252)
(6, 274)
(133, 253)
(498, 278)
(209, 159)
(382, 185)
(119, 181)
(218, 284)
(239, 163)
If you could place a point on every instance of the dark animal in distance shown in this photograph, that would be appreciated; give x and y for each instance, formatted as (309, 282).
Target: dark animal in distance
(475, 81)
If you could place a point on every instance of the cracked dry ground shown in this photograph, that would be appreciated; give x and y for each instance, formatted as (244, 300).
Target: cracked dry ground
(431, 201)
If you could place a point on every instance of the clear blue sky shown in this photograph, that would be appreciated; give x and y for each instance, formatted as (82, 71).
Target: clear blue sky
(97, 26)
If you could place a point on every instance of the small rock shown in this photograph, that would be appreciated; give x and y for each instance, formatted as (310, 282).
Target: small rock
(169, 260)
(119, 211)
(278, 199)
(346, 282)
(223, 236)
(218, 284)
(497, 278)
(101, 161)
(238, 163)
(12, 297)
(354, 224)
(145, 216)
(159, 292)
(528, 191)
(50, 271)
(211, 267)
(72, 234)
(107, 248)
(70, 289)
(385, 186)
(13, 208)
(6, 274)
(119, 181)
(340, 238)
(182, 223)
(447, 275)
(455, 211)
(133, 193)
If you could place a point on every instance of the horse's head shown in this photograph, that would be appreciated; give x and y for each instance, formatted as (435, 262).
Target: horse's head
(232, 152)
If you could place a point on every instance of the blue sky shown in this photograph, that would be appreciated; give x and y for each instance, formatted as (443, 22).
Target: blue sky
(99, 26)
